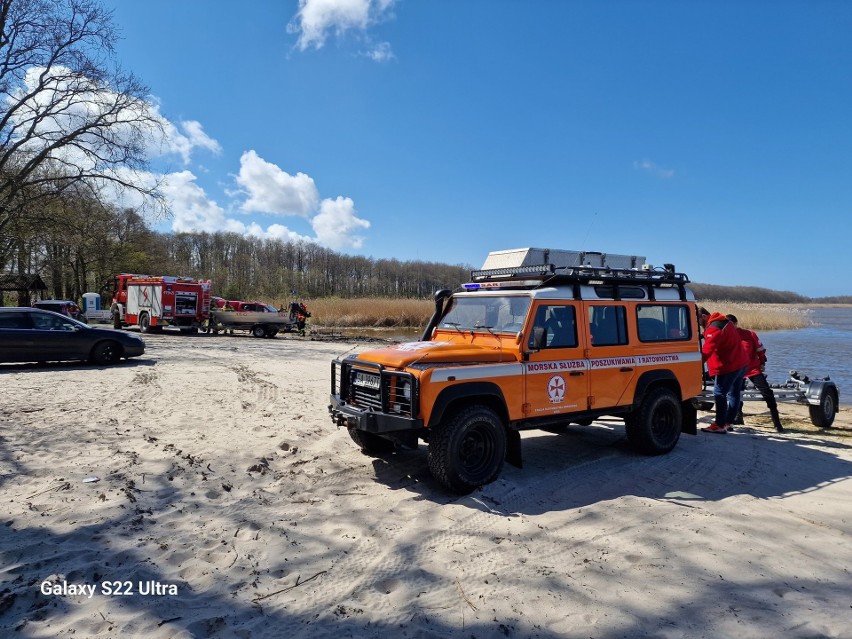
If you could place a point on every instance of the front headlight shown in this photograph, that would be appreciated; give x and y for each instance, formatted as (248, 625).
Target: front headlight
(406, 390)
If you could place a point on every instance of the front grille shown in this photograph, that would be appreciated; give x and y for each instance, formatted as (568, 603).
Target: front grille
(366, 389)
(374, 388)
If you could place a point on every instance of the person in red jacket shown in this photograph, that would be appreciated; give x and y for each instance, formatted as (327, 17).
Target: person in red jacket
(754, 371)
(726, 362)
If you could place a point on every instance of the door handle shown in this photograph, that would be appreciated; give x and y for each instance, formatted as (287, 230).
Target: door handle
(576, 373)
(626, 369)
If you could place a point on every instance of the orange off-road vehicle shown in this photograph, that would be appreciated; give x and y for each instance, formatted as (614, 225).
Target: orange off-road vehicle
(537, 338)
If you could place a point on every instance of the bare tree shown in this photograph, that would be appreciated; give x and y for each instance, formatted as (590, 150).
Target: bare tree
(69, 116)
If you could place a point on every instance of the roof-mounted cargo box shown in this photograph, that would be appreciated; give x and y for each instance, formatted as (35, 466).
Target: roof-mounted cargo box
(513, 258)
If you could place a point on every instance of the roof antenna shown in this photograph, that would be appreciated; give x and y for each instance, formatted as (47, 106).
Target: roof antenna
(589, 229)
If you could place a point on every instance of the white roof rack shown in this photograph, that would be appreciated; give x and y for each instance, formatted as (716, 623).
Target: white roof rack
(513, 258)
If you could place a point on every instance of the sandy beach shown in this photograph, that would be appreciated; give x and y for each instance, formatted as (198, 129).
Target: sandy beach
(202, 491)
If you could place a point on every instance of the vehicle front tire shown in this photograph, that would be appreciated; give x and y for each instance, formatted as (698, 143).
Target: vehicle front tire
(258, 331)
(468, 449)
(654, 427)
(823, 414)
(116, 320)
(371, 443)
(144, 323)
(106, 353)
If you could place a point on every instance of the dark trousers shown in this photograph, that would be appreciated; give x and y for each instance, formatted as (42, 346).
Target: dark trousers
(727, 392)
(761, 385)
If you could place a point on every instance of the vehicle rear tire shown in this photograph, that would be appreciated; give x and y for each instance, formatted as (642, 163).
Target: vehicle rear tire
(823, 414)
(258, 331)
(116, 320)
(144, 323)
(468, 449)
(106, 353)
(371, 443)
(654, 427)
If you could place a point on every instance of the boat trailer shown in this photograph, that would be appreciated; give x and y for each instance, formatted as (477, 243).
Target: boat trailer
(819, 395)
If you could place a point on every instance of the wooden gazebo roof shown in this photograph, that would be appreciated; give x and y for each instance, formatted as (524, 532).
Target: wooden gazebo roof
(21, 282)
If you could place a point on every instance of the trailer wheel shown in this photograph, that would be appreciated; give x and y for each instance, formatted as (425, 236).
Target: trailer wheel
(108, 352)
(371, 443)
(822, 415)
(654, 427)
(258, 331)
(144, 323)
(468, 449)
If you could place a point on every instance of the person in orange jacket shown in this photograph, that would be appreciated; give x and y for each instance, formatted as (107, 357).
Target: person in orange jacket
(754, 371)
(726, 362)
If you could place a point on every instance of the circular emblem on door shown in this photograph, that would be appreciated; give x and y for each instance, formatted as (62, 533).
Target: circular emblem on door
(556, 389)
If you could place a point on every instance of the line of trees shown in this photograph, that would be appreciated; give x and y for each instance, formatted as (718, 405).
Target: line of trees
(82, 245)
(77, 245)
(751, 294)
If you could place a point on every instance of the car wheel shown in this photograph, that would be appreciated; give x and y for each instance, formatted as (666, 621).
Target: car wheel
(258, 331)
(106, 353)
(822, 415)
(371, 443)
(468, 449)
(116, 320)
(144, 323)
(654, 427)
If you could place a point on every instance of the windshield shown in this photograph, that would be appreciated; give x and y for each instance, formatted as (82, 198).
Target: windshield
(503, 313)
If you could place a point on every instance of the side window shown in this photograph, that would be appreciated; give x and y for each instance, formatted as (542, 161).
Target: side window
(608, 325)
(663, 322)
(559, 323)
(45, 322)
(13, 320)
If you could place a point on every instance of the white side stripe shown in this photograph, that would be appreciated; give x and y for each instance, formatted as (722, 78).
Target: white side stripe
(477, 372)
(488, 371)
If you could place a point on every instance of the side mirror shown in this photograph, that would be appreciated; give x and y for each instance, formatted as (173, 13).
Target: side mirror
(537, 342)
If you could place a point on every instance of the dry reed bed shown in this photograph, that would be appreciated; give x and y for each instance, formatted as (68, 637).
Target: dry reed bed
(762, 317)
(411, 313)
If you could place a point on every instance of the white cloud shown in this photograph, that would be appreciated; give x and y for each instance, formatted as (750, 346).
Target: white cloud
(336, 224)
(192, 209)
(649, 167)
(315, 19)
(264, 187)
(167, 139)
(380, 53)
(65, 101)
(278, 232)
(272, 190)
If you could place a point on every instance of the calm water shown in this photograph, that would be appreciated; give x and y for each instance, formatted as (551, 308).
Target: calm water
(824, 349)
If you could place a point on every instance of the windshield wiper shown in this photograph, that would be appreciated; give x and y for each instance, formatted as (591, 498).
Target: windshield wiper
(455, 325)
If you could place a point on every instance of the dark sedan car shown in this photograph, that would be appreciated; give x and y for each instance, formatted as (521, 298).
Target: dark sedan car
(33, 335)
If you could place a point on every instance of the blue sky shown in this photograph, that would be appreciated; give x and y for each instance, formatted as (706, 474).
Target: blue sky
(713, 135)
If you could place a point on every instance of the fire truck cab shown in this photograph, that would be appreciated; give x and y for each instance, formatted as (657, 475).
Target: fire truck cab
(537, 338)
(152, 302)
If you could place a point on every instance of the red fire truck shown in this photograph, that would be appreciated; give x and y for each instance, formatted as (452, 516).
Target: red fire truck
(152, 302)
